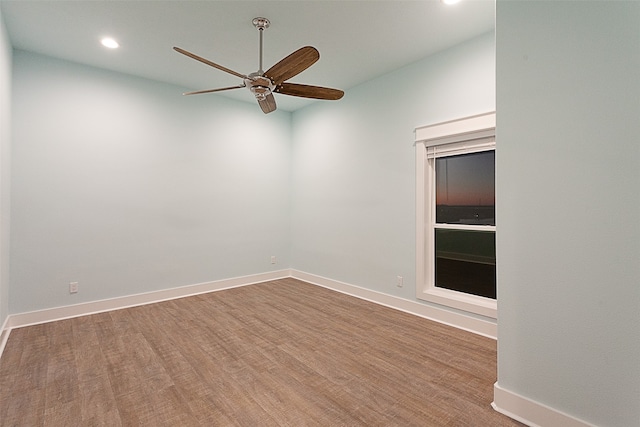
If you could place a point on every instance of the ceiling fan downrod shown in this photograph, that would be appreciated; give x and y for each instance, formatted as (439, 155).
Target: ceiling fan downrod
(261, 24)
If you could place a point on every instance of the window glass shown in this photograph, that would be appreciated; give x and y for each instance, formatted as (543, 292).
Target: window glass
(465, 261)
(465, 189)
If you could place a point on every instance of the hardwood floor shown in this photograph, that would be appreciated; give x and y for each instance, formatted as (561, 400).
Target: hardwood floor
(281, 353)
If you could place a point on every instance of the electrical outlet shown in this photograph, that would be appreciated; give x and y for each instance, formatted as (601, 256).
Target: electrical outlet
(273, 259)
(399, 281)
(73, 287)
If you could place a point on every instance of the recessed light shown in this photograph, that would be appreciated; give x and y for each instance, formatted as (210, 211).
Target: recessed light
(449, 2)
(110, 43)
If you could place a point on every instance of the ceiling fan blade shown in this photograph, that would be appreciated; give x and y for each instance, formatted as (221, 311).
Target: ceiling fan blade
(206, 61)
(268, 104)
(197, 92)
(308, 91)
(293, 64)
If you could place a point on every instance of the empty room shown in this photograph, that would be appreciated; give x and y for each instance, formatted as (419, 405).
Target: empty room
(327, 213)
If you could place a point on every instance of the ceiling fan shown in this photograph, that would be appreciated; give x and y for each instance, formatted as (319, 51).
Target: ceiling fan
(263, 84)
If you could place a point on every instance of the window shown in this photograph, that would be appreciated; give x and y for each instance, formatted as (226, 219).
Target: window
(464, 243)
(456, 214)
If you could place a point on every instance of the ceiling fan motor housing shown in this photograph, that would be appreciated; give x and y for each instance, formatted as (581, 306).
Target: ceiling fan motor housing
(259, 85)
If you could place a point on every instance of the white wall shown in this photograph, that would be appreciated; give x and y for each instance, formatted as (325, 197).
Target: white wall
(568, 194)
(125, 186)
(5, 167)
(353, 213)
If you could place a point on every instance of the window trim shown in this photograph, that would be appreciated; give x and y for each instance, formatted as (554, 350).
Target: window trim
(467, 135)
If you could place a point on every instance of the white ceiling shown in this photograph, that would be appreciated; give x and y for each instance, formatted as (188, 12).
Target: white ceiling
(357, 40)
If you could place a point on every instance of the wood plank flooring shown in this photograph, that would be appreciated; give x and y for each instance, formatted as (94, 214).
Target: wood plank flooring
(281, 353)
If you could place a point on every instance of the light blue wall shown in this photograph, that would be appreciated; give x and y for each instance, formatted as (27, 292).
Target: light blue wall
(353, 212)
(125, 186)
(568, 194)
(122, 185)
(5, 167)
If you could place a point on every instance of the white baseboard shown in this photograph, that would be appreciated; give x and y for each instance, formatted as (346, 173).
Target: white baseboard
(530, 412)
(478, 326)
(83, 309)
(4, 335)
(520, 408)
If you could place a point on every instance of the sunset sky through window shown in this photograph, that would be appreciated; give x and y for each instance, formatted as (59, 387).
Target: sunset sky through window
(466, 180)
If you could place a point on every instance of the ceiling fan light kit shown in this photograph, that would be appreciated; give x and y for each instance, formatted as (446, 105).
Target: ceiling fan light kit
(263, 84)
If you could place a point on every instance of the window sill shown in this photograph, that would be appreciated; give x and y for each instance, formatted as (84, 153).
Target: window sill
(471, 303)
